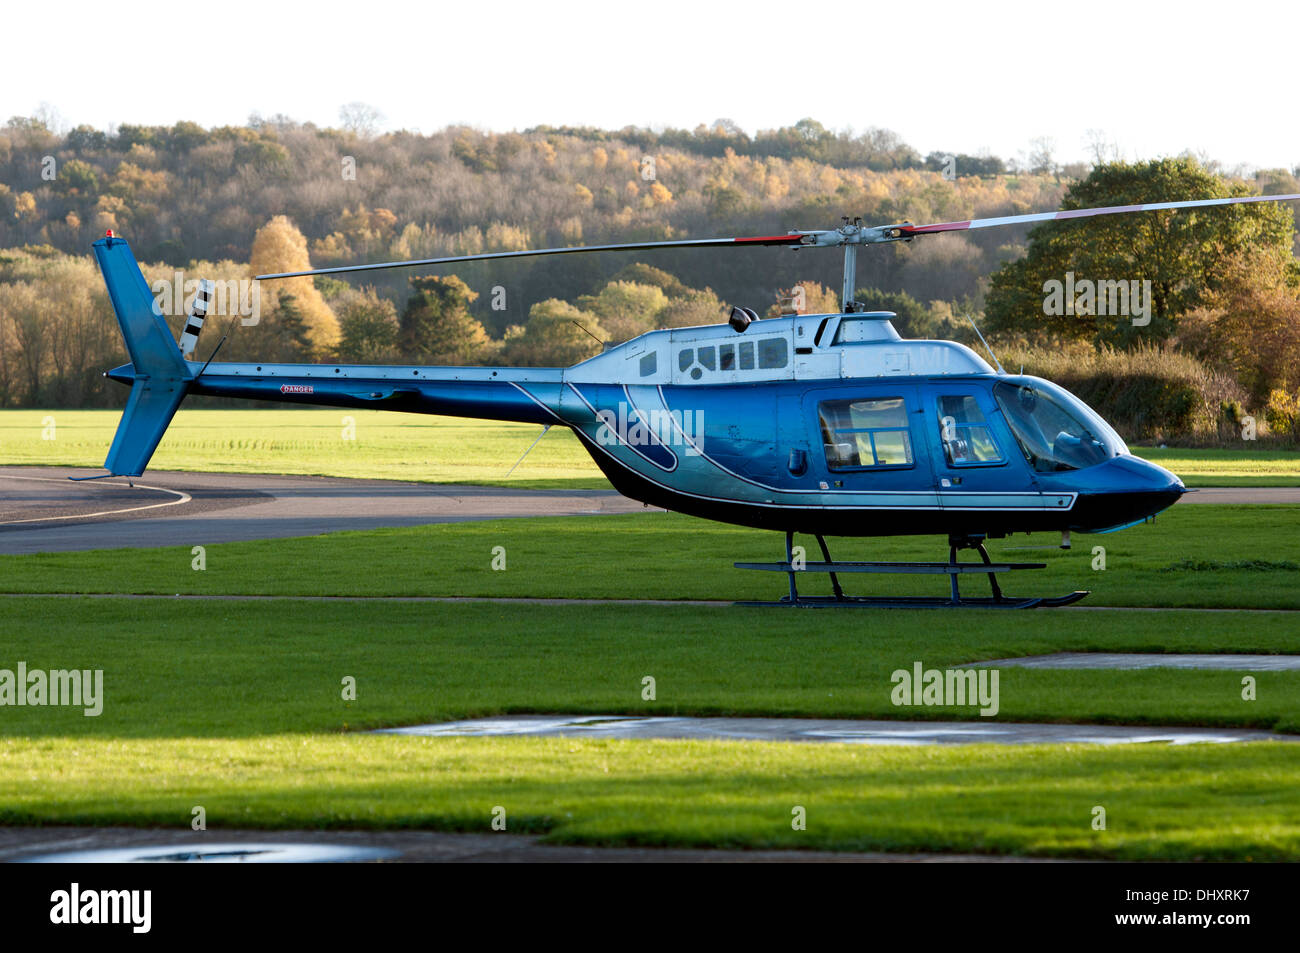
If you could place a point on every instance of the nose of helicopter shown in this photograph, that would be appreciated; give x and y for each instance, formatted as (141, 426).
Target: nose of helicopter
(1122, 491)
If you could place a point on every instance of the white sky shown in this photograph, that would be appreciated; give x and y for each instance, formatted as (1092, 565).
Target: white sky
(1155, 78)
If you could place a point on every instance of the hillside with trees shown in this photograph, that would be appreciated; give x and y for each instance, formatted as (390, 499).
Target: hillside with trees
(276, 195)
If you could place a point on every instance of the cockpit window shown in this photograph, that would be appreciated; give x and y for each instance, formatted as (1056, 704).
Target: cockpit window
(1053, 435)
(865, 433)
(964, 432)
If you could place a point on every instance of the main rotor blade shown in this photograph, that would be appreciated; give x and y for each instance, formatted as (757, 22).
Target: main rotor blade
(906, 230)
(794, 239)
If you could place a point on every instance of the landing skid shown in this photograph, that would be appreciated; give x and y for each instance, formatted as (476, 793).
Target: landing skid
(952, 568)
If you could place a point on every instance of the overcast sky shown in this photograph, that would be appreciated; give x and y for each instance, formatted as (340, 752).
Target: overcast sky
(1154, 78)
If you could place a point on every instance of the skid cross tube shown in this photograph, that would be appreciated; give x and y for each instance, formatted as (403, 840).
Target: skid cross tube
(952, 568)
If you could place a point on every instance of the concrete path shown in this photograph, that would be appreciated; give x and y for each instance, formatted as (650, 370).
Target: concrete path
(844, 731)
(27, 843)
(1135, 660)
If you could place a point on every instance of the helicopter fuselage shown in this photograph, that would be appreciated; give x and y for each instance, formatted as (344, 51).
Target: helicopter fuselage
(821, 424)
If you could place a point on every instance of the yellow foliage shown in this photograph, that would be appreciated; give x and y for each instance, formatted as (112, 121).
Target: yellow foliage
(1282, 411)
(133, 182)
(279, 246)
(503, 237)
(332, 249)
(571, 229)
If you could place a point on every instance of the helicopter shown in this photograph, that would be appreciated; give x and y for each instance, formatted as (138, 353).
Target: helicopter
(813, 424)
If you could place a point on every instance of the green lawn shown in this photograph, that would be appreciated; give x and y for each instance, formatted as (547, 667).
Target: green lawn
(1206, 555)
(236, 706)
(1228, 467)
(240, 668)
(1201, 802)
(385, 445)
(416, 447)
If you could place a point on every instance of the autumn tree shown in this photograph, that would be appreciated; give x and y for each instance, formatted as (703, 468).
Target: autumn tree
(368, 328)
(279, 247)
(1182, 253)
(625, 308)
(692, 308)
(290, 334)
(643, 274)
(1250, 324)
(553, 336)
(804, 297)
(437, 327)
(914, 319)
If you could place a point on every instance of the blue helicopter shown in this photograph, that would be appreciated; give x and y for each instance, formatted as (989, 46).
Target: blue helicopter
(815, 424)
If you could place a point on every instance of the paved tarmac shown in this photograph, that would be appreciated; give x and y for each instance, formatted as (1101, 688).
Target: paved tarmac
(27, 843)
(41, 510)
(1136, 660)
(1244, 494)
(843, 731)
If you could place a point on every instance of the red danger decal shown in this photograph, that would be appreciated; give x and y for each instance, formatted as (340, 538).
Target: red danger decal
(296, 389)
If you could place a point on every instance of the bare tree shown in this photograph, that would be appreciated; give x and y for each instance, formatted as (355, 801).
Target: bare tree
(1042, 155)
(1100, 147)
(360, 118)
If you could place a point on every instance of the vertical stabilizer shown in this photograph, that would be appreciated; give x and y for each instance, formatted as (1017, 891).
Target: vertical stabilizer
(159, 375)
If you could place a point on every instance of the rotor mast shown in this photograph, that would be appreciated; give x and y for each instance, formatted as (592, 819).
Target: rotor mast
(850, 235)
(847, 304)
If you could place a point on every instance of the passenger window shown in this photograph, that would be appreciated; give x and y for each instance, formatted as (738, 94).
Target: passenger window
(865, 433)
(705, 357)
(746, 355)
(964, 432)
(685, 358)
(773, 353)
(649, 363)
(726, 357)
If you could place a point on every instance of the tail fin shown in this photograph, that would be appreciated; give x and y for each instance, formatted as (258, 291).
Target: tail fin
(159, 375)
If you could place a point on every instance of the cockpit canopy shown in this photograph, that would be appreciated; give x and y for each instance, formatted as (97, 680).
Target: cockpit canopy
(1055, 430)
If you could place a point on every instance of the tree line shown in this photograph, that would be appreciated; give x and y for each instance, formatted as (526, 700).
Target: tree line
(274, 195)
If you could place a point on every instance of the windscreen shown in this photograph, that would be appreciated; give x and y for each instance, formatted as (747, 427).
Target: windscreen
(1056, 430)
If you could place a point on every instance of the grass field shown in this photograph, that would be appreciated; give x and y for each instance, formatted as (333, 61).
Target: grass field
(415, 447)
(240, 669)
(237, 708)
(236, 705)
(1228, 467)
(385, 446)
(1207, 802)
(1193, 556)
